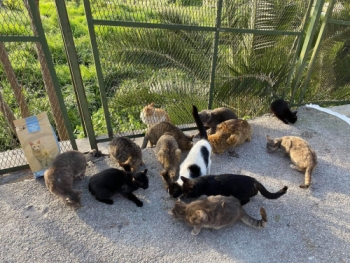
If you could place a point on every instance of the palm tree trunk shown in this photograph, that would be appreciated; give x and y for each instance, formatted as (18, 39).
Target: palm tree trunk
(6, 110)
(50, 88)
(13, 81)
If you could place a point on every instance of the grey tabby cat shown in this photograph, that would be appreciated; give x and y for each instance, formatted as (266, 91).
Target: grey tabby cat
(157, 130)
(300, 152)
(215, 212)
(62, 172)
(126, 153)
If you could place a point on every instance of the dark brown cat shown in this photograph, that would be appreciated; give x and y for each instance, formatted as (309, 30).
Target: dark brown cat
(229, 134)
(157, 130)
(59, 177)
(304, 158)
(215, 212)
(211, 118)
(126, 152)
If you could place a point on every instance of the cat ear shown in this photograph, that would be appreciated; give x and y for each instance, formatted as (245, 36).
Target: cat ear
(223, 204)
(152, 104)
(295, 113)
(163, 173)
(268, 138)
(184, 179)
(38, 141)
(30, 143)
(144, 171)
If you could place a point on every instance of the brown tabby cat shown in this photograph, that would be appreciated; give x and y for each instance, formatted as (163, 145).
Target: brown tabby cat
(168, 154)
(215, 212)
(302, 155)
(229, 134)
(151, 115)
(126, 152)
(41, 154)
(59, 177)
(156, 131)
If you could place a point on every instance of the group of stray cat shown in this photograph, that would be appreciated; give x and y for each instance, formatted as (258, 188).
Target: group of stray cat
(220, 197)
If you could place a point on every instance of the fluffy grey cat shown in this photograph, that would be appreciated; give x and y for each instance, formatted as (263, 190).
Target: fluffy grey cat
(62, 172)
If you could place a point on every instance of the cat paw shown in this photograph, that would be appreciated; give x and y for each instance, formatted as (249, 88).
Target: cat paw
(233, 154)
(139, 204)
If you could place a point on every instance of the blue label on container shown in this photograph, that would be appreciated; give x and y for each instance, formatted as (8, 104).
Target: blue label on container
(32, 124)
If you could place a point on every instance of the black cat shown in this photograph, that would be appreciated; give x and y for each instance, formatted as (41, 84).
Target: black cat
(240, 186)
(109, 182)
(282, 111)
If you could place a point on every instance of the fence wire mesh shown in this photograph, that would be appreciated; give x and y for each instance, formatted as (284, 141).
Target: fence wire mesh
(23, 91)
(174, 53)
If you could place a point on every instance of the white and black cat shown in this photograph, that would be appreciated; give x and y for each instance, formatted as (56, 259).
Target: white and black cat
(282, 111)
(197, 162)
(104, 185)
(240, 186)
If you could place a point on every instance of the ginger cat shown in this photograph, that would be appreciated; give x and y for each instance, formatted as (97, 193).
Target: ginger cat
(215, 212)
(151, 115)
(300, 152)
(229, 134)
(41, 154)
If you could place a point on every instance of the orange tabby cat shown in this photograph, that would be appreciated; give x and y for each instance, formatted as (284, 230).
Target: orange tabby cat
(41, 154)
(151, 115)
(229, 134)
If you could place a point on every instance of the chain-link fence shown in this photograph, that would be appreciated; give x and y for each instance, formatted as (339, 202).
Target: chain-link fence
(241, 54)
(28, 82)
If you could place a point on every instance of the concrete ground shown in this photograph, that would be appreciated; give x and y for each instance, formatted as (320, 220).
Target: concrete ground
(303, 225)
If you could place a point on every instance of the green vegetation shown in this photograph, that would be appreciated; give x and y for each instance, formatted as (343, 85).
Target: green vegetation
(172, 68)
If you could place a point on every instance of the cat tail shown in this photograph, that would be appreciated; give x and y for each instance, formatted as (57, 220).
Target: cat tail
(268, 194)
(308, 173)
(250, 221)
(200, 126)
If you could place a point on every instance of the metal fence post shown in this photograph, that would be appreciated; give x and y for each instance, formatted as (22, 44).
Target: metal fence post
(215, 52)
(75, 71)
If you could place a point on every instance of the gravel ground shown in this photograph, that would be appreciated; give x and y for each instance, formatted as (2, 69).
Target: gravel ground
(303, 225)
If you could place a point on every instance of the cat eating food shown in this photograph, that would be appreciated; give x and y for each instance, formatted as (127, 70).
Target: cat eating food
(282, 111)
(62, 172)
(197, 162)
(126, 152)
(168, 154)
(151, 115)
(240, 186)
(211, 118)
(105, 184)
(229, 134)
(215, 212)
(303, 157)
(157, 130)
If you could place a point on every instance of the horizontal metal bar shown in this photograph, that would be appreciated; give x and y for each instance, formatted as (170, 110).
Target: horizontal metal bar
(339, 22)
(196, 28)
(19, 39)
(14, 169)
